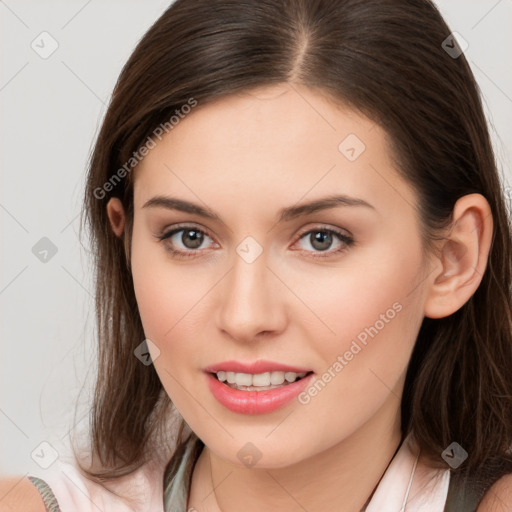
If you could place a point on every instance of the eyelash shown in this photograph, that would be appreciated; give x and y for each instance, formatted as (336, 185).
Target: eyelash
(345, 239)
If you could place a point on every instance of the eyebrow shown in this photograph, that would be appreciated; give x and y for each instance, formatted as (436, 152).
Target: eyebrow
(285, 214)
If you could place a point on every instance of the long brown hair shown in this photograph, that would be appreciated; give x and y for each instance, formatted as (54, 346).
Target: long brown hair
(384, 58)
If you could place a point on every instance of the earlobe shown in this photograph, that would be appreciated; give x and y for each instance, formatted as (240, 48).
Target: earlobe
(116, 215)
(462, 257)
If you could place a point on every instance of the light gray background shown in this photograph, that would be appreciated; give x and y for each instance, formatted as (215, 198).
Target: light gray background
(51, 112)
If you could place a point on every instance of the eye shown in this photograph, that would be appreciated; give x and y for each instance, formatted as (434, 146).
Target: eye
(188, 241)
(322, 239)
(184, 241)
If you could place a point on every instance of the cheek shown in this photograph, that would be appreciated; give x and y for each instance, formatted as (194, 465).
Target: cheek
(168, 296)
(170, 302)
(376, 289)
(370, 314)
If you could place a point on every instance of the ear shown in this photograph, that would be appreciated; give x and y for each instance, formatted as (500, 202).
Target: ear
(462, 258)
(115, 212)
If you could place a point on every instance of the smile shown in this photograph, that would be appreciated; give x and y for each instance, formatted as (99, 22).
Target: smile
(261, 398)
(259, 381)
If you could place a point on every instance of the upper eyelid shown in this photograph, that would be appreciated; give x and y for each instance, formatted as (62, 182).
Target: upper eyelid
(177, 228)
(320, 227)
(323, 227)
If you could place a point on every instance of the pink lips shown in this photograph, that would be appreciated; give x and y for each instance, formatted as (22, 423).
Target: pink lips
(254, 368)
(255, 402)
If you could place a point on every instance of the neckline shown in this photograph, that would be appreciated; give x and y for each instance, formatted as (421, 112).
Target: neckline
(370, 498)
(178, 476)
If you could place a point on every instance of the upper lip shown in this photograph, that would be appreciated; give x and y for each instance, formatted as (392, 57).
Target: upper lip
(254, 367)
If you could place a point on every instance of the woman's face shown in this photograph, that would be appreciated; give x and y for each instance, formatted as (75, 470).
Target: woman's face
(338, 291)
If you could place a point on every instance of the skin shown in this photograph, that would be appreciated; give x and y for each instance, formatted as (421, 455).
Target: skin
(245, 157)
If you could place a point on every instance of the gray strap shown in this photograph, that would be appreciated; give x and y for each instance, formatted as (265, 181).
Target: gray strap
(50, 501)
(463, 494)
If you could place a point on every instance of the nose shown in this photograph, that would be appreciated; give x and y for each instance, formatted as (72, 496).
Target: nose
(252, 305)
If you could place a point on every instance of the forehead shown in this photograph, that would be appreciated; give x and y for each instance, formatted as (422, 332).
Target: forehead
(276, 142)
(273, 117)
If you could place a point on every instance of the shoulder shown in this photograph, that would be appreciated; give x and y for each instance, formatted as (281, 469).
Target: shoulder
(19, 494)
(499, 497)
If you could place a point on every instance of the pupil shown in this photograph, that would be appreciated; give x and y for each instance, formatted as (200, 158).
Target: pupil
(195, 236)
(321, 240)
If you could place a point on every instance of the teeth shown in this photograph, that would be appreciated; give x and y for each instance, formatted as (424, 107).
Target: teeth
(259, 379)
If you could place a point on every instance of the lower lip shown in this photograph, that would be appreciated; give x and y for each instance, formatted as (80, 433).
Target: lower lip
(256, 402)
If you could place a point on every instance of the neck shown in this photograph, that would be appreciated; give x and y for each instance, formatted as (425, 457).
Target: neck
(339, 479)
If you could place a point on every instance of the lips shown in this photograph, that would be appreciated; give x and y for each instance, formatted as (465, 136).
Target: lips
(254, 367)
(256, 402)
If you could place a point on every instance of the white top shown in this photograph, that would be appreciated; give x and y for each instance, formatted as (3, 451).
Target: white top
(406, 486)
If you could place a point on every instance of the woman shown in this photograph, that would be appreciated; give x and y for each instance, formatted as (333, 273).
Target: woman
(298, 220)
